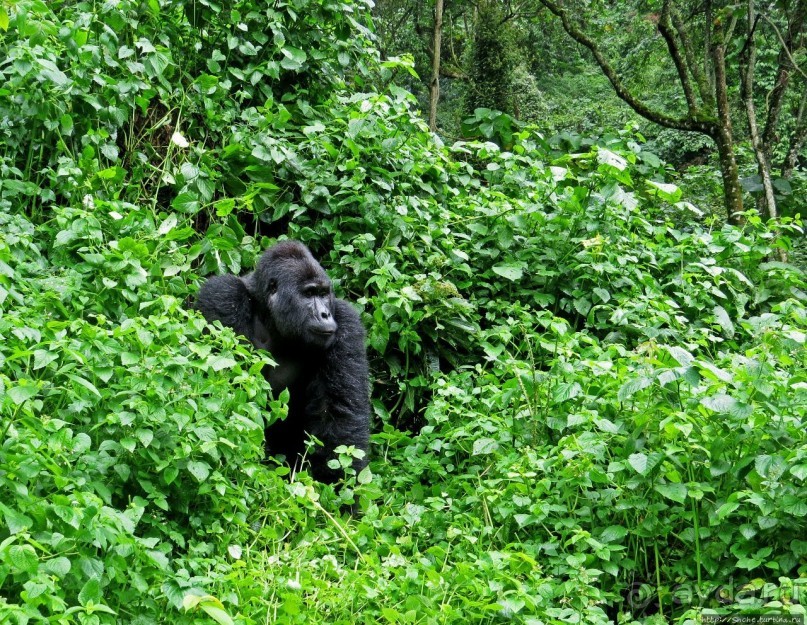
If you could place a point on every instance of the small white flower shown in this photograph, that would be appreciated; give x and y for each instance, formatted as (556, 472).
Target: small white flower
(178, 140)
(88, 201)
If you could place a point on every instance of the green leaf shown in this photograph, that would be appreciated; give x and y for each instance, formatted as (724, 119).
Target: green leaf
(110, 151)
(582, 305)
(639, 463)
(224, 207)
(484, 446)
(511, 271)
(676, 492)
(565, 391)
(199, 470)
(186, 203)
(23, 558)
(212, 606)
(88, 385)
(613, 533)
(720, 403)
(682, 356)
(606, 157)
(716, 372)
(15, 521)
(81, 443)
(53, 73)
(57, 566)
(19, 394)
(217, 363)
(235, 551)
(156, 64)
(799, 471)
(724, 321)
(217, 614)
(365, 476)
(631, 387)
(314, 129)
(167, 225)
(3, 19)
(726, 509)
(667, 192)
(294, 58)
(145, 436)
(170, 474)
(602, 294)
(90, 592)
(127, 359)
(794, 506)
(112, 173)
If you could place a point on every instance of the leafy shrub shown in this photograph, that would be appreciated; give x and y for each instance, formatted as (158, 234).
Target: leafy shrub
(127, 444)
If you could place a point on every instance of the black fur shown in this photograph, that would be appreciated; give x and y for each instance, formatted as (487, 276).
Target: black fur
(287, 307)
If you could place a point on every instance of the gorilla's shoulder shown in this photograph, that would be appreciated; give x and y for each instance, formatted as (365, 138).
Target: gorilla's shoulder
(348, 320)
(225, 298)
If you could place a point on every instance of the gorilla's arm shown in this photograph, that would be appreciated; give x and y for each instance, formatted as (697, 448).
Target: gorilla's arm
(340, 404)
(227, 299)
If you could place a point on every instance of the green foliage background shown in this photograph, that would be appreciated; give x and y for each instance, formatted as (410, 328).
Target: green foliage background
(588, 398)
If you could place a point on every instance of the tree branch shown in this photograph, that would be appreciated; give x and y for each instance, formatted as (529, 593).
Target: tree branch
(785, 47)
(707, 97)
(678, 123)
(665, 28)
(708, 65)
(434, 85)
(786, 64)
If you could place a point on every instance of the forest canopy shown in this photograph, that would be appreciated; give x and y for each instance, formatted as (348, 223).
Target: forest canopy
(588, 366)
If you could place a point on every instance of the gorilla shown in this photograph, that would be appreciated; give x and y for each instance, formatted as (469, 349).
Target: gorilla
(287, 307)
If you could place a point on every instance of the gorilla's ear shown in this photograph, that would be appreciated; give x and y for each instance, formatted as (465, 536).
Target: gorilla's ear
(250, 282)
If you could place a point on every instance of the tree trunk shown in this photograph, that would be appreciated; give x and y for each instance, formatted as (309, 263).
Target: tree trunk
(748, 61)
(732, 191)
(434, 87)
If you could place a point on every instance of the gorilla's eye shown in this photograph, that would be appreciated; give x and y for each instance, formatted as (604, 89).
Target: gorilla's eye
(316, 290)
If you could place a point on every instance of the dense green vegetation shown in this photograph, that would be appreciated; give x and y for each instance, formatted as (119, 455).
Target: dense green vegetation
(589, 398)
(716, 83)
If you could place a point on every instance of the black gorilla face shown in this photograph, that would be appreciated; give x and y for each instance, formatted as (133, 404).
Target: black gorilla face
(304, 311)
(298, 296)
